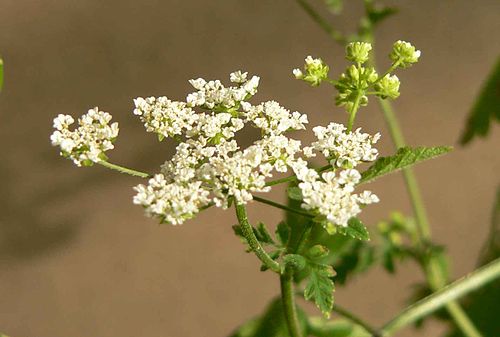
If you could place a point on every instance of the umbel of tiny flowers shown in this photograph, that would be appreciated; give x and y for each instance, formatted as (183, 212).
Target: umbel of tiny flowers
(88, 143)
(315, 71)
(209, 167)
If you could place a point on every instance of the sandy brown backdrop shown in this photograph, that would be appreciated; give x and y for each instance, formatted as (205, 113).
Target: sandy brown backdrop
(78, 259)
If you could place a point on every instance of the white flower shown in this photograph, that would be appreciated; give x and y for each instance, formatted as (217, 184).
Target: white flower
(331, 196)
(238, 77)
(273, 119)
(214, 95)
(165, 117)
(344, 149)
(172, 202)
(86, 144)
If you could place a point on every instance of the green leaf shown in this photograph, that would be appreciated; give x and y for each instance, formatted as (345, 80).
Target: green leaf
(355, 229)
(283, 233)
(272, 323)
(294, 193)
(320, 287)
(1, 74)
(263, 235)
(247, 329)
(485, 109)
(404, 157)
(298, 224)
(317, 252)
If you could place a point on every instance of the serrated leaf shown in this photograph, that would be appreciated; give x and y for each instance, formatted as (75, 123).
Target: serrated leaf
(282, 233)
(320, 287)
(355, 229)
(263, 235)
(486, 108)
(404, 157)
(294, 193)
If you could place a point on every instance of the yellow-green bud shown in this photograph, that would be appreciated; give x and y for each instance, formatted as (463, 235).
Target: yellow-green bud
(358, 52)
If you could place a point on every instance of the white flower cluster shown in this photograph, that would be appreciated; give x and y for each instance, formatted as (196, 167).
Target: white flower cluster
(208, 165)
(342, 149)
(331, 194)
(213, 95)
(163, 116)
(86, 144)
(210, 168)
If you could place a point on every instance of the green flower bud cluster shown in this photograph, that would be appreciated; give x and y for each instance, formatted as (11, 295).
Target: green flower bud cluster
(403, 54)
(353, 83)
(360, 79)
(358, 52)
(388, 87)
(315, 71)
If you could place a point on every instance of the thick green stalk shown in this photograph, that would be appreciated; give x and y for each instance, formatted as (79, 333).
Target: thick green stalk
(124, 170)
(440, 298)
(288, 300)
(247, 231)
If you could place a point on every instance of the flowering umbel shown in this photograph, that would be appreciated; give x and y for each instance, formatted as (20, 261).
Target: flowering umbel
(209, 167)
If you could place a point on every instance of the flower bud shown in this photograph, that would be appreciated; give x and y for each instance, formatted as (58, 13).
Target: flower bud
(315, 71)
(358, 51)
(404, 54)
(388, 86)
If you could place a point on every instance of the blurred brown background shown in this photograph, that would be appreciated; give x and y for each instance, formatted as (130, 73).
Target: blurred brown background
(78, 259)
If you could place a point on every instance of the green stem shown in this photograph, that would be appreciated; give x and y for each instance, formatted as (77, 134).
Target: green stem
(247, 230)
(294, 177)
(334, 34)
(353, 111)
(124, 170)
(355, 319)
(283, 207)
(423, 226)
(435, 277)
(288, 300)
(440, 298)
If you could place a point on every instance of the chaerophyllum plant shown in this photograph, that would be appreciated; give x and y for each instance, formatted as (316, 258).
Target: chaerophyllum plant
(321, 241)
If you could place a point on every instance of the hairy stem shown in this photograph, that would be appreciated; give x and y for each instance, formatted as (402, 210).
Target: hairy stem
(124, 170)
(288, 300)
(247, 230)
(440, 298)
